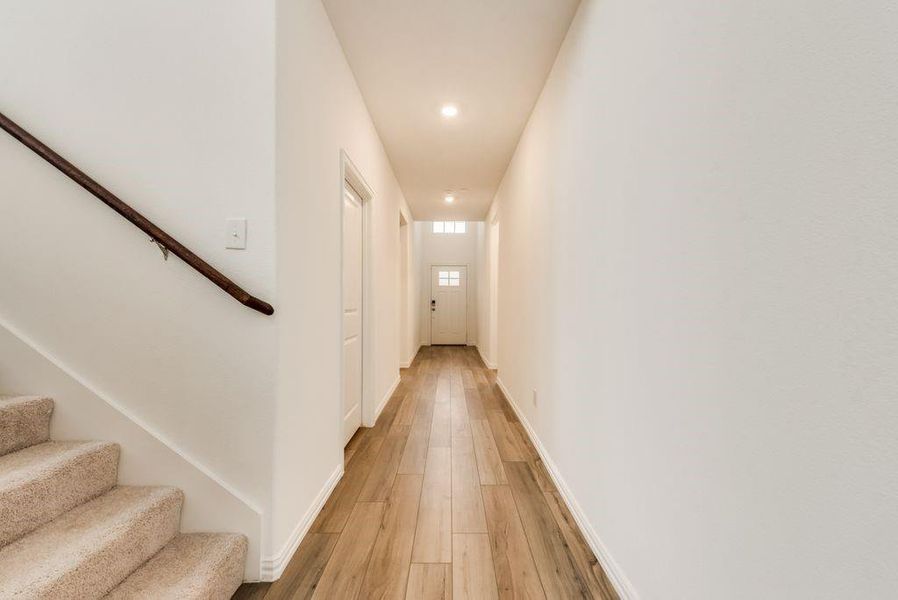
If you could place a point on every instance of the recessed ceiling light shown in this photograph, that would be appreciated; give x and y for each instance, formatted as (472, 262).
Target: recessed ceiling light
(450, 199)
(449, 111)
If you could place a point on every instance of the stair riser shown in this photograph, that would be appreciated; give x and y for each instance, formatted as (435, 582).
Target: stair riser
(68, 484)
(115, 558)
(24, 424)
(195, 566)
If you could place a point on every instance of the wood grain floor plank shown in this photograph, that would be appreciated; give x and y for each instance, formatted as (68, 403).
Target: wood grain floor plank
(489, 463)
(391, 558)
(516, 574)
(456, 383)
(385, 420)
(473, 577)
(444, 387)
(467, 503)
(467, 376)
(414, 456)
(533, 457)
(507, 440)
(430, 582)
(253, 591)
(441, 428)
(444, 496)
(461, 426)
(433, 538)
(302, 574)
(488, 398)
(402, 423)
(587, 564)
(336, 511)
(554, 562)
(343, 575)
(383, 472)
(475, 404)
(353, 445)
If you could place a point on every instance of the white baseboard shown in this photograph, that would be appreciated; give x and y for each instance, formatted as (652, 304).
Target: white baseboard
(387, 396)
(621, 583)
(273, 566)
(488, 364)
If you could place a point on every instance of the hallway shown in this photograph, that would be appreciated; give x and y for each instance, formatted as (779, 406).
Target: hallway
(444, 497)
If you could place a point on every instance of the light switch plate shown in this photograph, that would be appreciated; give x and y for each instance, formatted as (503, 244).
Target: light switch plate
(235, 235)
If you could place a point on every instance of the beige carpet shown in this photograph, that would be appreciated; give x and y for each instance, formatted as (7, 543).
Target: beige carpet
(67, 531)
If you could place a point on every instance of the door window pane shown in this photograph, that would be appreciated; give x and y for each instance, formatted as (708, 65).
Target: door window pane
(459, 227)
(438, 227)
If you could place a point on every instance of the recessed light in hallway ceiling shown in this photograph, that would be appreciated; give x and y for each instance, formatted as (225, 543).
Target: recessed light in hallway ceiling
(450, 113)
(450, 199)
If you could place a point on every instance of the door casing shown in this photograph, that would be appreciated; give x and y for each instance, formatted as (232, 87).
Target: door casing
(352, 177)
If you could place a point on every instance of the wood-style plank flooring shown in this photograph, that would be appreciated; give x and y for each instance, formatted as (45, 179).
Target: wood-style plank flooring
(445, 497)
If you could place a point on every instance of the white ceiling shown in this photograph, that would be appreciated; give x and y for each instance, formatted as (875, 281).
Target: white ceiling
(489, 57)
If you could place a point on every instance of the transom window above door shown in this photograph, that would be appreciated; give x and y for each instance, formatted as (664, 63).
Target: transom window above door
(449, 226)
(449, 279)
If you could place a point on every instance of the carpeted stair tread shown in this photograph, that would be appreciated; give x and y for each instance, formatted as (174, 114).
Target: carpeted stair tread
(194, 566)
(24, 421)
(86, 552)
(41, 482)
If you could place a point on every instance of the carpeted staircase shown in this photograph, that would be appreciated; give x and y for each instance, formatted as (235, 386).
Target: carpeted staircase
(68, 532)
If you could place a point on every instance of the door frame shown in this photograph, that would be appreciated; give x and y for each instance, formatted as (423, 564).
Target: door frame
(467, 296)
(495, 238)
(352, 177)
(405, 304)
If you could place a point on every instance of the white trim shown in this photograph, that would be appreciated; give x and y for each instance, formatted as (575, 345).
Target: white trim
(273, 566)
(130, 416)
(386, 398)
(621, 583)
(351, 175)
(408, 363)
(488, 364)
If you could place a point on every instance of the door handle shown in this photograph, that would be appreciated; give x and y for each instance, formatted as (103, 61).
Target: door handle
(433, 306)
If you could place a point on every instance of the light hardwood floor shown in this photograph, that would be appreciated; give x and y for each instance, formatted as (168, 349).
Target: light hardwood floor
(445, 497)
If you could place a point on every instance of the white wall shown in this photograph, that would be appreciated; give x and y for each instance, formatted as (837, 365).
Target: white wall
(176, 115)
(144, 459)
(487, 278)
(225, 111)
(448, 249)
(409, 289)
(320, 113)
(698, 231)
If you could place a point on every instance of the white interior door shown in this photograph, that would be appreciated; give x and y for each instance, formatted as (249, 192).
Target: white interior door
(449, 305)
(352, 313)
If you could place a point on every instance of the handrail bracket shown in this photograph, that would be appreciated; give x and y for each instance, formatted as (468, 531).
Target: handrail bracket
(162, 248)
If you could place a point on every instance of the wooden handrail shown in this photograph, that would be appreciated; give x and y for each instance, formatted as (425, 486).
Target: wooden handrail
(159, 236)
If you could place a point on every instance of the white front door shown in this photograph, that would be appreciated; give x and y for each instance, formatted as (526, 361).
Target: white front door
(449, 305)
(352, 313)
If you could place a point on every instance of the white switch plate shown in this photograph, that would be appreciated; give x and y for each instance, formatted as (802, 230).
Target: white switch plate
(235, 236)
